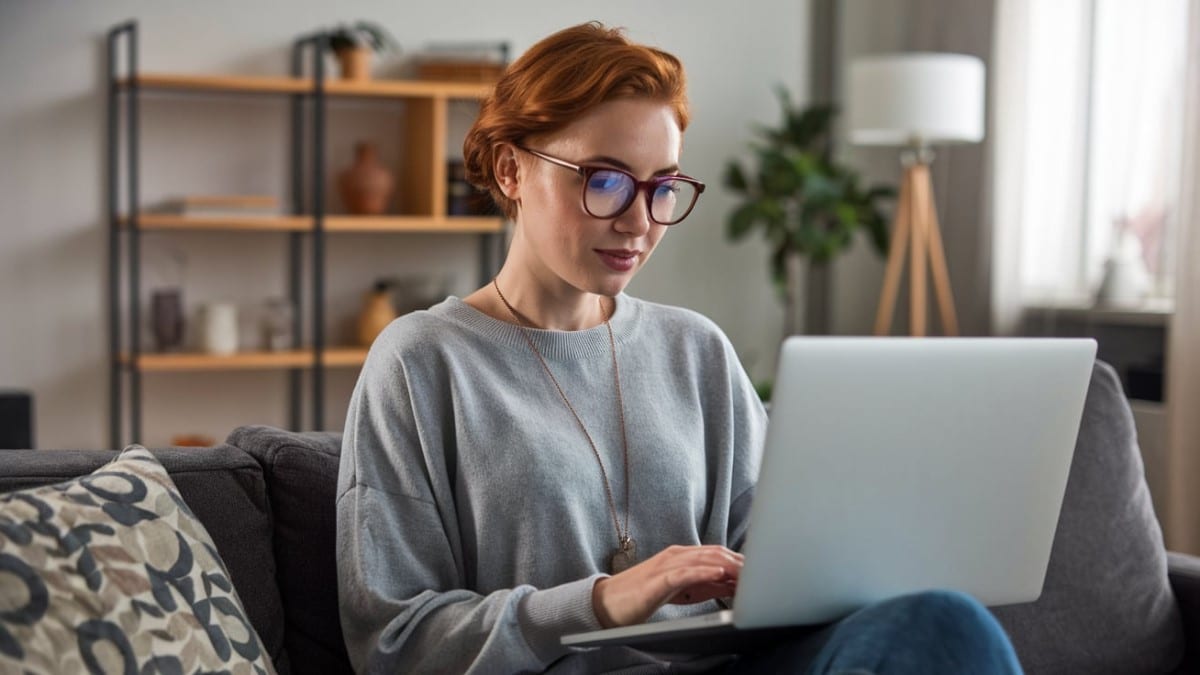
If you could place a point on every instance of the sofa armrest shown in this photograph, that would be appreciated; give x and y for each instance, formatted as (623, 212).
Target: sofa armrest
(1184, 573)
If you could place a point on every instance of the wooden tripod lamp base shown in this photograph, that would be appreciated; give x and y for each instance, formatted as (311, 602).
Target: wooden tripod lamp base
(915, 231)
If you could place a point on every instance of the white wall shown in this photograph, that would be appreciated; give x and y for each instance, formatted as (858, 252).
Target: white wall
(53, 237)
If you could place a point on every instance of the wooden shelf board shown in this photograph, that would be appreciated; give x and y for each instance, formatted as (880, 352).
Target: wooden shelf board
(294, 85)
(240, 361)
(302, 358)
(345, 356)
(333, 223)
(170, 221)
(407, 89)
(429, 224)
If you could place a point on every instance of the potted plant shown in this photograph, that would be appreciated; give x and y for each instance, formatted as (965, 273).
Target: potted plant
(807, 205)
(353, 45)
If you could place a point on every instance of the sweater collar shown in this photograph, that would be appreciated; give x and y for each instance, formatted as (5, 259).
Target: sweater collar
(555, 345)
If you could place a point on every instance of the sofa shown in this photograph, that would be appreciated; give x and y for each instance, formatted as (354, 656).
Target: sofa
(1114, 600)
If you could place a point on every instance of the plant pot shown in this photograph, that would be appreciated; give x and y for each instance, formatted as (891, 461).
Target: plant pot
(366, 187)
(355, 63)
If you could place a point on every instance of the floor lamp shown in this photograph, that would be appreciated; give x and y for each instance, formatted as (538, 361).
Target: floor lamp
(915, 101)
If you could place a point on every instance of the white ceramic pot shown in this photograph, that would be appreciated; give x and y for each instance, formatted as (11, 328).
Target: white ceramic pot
(219, 328)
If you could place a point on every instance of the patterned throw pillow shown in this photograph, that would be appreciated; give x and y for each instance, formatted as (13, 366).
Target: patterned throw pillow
(112, 573)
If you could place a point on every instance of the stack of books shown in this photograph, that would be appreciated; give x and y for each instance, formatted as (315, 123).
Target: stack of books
(463, 62)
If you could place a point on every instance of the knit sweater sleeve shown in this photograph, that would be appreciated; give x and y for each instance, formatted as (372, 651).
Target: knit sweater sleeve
(404, 597)
(748, 430)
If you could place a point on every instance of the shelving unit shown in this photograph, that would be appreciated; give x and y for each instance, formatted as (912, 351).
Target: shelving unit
(422, 210)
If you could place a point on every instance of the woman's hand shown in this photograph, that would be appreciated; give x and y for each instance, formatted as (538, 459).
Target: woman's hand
(681, 575)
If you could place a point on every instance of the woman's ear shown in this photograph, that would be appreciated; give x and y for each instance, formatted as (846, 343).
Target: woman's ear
(508, 171)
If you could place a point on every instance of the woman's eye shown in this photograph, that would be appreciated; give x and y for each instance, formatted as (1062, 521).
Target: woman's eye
(606, 181)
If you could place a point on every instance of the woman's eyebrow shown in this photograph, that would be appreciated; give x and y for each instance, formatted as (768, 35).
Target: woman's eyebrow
(670, 170)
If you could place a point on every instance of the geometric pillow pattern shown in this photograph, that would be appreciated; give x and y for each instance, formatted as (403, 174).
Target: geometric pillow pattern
(112, 573)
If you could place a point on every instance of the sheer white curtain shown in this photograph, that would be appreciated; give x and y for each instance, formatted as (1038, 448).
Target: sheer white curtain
(1087, 100)
(1183, 381)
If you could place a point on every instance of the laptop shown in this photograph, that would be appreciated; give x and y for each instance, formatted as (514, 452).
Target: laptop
(895, 465)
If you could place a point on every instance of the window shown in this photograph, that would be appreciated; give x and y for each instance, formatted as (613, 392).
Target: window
(1099, 168)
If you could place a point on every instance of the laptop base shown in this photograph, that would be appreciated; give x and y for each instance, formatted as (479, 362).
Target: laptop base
(697, 641)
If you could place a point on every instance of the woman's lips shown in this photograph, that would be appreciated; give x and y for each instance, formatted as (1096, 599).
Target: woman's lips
(621, 260)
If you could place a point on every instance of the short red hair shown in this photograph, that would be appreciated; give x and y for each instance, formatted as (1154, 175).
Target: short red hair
(559, 79)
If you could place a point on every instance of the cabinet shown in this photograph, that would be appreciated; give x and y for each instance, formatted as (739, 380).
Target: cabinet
(422, 208)
(1134, 342)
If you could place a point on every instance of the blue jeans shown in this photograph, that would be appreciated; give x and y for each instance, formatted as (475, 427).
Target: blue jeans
(927, 633)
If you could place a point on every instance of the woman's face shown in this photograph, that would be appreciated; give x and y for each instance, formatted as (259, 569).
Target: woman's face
(564, 243)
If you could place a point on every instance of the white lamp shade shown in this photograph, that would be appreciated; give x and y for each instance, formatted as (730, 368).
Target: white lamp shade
(915, 99)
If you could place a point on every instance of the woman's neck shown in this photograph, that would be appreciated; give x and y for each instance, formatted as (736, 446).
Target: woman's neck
(540, 305)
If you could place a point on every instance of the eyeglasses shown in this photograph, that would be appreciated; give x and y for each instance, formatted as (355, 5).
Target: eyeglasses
(608, 192)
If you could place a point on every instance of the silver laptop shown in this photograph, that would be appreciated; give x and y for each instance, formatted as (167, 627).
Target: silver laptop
(894, 465)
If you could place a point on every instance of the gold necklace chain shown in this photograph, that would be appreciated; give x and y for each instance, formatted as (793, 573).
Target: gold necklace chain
(625, 542)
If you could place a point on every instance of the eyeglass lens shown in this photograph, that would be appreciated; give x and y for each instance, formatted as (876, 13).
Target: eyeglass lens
(609, 193)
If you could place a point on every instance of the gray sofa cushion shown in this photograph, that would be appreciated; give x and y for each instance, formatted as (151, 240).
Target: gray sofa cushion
(1107, 606)
(111, 571)
(224, 488)
(301, 473)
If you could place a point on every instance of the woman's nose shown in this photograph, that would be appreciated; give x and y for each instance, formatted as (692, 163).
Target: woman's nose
(635, 219)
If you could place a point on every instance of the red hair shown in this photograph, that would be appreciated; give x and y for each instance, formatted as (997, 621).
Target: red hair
(559, 79)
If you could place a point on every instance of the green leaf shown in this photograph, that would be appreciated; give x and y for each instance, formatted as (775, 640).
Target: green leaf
(880, 192)
(806, 164)
(879, 234)
(821, 188)
(808, 236)
(779, 271)
(741, 221)
(812, 125)
(777, 175)
(734, 178)
(847, 214)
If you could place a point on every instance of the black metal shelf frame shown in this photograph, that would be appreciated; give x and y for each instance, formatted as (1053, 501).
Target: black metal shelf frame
(312, 46)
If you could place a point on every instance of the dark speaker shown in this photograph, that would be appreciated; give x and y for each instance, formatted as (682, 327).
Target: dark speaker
(16, 420)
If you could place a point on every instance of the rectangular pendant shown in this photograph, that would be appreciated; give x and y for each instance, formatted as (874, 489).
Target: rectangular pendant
(624, 557)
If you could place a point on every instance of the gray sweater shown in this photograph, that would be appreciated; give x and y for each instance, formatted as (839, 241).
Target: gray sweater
(472, 520)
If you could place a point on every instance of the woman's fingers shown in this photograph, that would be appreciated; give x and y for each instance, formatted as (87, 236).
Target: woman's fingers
(701, 567)
(718, 556)
(678, 574)
(704, 592)
(682, 578)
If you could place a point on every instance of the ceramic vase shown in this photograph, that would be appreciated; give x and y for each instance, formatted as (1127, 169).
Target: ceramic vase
(366, 187)
(219, 326)
(1126, 280)
(277, 325)
(166, 316)
(377, 312)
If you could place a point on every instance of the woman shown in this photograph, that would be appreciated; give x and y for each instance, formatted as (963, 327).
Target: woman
(549, 455)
